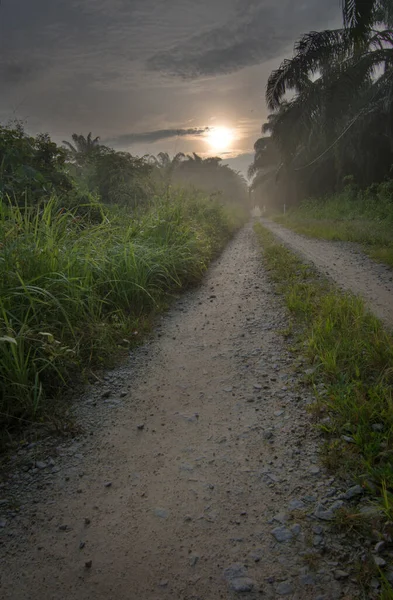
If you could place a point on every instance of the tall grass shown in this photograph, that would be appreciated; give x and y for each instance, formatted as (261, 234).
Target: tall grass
(75, 289)
(363, 216)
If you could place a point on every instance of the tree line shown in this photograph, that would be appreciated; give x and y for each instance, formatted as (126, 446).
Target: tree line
(32, 169)
(331, 106)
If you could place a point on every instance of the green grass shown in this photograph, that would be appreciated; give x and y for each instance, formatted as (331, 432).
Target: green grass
(79, 286)
(352, 356)
(365, 217)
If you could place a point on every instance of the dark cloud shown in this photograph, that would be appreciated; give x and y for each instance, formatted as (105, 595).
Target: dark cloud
(16, 72)
(128, 139)
(259, 31)
(101, 65)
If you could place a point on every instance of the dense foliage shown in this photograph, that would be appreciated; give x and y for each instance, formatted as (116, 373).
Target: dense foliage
(92, 242)
(332, 108)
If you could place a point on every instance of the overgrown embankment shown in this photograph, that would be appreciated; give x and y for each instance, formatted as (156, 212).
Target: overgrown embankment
(352, 373)
(78, 286)
(363, 216)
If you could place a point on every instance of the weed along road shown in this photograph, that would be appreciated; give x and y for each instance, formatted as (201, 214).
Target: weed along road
(197, 476)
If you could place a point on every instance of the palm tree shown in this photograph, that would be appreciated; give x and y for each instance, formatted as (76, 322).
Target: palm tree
(83, 147)
(342, 86)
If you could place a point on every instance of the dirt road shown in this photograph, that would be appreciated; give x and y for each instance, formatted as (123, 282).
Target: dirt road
(198, 476)
(348, 266)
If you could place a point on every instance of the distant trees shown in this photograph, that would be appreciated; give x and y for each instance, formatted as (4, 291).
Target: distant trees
(338, 120)
(83, 148)
(211, 175)
(33, 169)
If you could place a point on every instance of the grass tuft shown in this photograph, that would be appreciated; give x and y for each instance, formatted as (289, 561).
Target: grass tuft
(74, 292)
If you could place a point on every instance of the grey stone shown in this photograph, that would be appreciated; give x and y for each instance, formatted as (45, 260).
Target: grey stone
(284, 588)
(314, 470)
(282, 534)
(40, 464)
(327, 514)
(236, 576)
(296, 505)
(161, 513)
(235, 571)
(3, 522)
(339, 574)
(323, 514)
(379, 547)
(317, 540)
(281, 518)
(242, 585)
(193, 560)
(356, 490)
(307, 579)
(317, 529)
(296, 529)
(379, 561)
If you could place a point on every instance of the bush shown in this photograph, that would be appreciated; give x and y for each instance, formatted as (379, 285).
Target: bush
(75, 283)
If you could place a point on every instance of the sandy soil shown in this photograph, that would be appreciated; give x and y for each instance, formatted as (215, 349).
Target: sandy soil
(198, 475)
(348, 266)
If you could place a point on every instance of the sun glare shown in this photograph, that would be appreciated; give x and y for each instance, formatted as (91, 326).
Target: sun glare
(220, 138)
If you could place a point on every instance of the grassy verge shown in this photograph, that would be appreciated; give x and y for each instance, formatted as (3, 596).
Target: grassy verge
(352, 358)
(365, 217)
(78, 286)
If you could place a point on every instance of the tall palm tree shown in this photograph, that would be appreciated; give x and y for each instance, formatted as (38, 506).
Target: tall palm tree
(342, 86)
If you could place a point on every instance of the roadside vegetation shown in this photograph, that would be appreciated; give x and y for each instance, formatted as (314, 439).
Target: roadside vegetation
(354, 215)
(351, 357)
(327, 148)
(93, 244)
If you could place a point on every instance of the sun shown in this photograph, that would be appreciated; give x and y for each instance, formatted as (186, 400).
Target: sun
(220, 138)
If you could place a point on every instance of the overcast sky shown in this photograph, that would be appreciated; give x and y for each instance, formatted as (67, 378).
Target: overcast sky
(148, 75)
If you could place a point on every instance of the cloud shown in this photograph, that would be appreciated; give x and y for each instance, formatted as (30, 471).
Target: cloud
(256, 33)
(13, 72)
(129, 139)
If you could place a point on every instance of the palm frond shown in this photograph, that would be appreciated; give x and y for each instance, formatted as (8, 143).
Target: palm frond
(358, 16)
